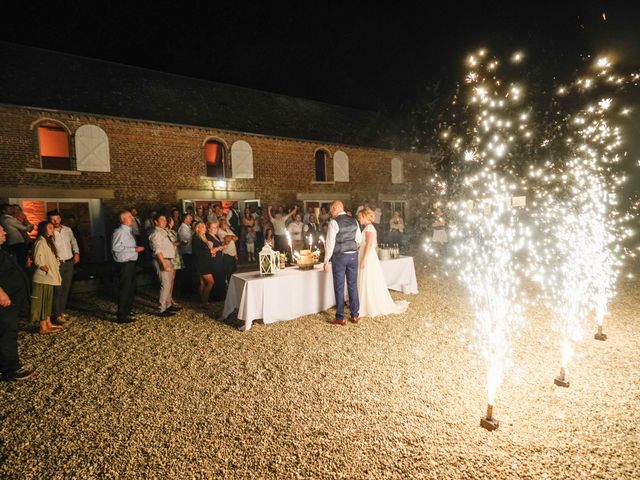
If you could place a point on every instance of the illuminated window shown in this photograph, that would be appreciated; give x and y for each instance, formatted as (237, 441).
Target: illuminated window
(215, 157)
(53, 146)
(321, 165)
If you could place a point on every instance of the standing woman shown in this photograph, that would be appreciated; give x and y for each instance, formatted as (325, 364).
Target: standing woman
(203, 264)
(248, 221)
(217, 247)
(374, 296)
(178, 263)
(46, 276)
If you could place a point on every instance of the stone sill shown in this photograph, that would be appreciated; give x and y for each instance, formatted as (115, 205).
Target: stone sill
(59, 172)
(322, 183)
(215, 179)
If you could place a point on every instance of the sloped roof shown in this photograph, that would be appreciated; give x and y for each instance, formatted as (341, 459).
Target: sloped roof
(41, 78)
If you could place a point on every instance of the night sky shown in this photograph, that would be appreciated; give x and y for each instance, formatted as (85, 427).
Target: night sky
(352, 54)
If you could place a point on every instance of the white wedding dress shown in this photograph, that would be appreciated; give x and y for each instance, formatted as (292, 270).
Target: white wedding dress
(373, 293)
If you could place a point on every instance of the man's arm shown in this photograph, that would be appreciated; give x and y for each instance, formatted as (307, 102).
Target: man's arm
(293, 210)
(329, 242)
(155, 240)
(269, 212)
(74, 246)
(14, 222)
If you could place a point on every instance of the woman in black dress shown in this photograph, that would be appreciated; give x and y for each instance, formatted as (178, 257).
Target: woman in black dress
(217, 263)
(202, 255)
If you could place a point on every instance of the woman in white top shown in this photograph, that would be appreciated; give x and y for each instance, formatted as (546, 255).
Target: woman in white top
(46, 276)
(374, 296)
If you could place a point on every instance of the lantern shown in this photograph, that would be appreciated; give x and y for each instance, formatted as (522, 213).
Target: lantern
(268, 260)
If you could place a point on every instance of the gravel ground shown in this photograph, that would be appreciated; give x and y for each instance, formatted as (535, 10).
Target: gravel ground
(393, 397)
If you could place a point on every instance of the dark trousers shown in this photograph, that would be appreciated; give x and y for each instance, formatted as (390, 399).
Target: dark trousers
(345, 265)
(9, 361)
(61, 292)
(229, 267)
(20, 252)
(259, 242)
(186, 277)
(126, 288)
(280, 243)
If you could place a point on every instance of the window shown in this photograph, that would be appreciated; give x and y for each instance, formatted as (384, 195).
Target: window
(340, 167)
(397, 173)
(92, 149)
(53, 146)
(321, 165)
(242, 159)
(215, 156)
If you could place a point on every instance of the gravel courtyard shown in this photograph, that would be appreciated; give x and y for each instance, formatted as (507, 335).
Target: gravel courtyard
(394, 397)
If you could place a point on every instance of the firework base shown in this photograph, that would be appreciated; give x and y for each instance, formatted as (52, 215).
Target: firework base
(561, 382)
(599, 335)
(490, 424)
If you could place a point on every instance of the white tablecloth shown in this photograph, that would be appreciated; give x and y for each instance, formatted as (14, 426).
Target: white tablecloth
(400, 274)
(293, 293)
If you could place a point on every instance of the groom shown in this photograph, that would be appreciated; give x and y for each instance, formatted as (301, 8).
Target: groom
(341, 247)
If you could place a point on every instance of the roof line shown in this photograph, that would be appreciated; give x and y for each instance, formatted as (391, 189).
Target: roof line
(190, 78)
(200, 127)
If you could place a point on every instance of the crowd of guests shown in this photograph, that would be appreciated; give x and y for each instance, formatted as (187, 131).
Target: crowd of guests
(39, 282)
(197, 251)
(193, 252)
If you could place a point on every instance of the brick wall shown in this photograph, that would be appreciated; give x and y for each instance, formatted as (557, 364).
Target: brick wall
(151, 161)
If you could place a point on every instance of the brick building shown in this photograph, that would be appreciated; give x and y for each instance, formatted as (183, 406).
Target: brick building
(91, 137)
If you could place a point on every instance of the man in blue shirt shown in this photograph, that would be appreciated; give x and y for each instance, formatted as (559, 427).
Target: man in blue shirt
(125, 253)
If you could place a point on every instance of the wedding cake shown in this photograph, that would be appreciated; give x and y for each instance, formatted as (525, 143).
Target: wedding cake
(306, 259)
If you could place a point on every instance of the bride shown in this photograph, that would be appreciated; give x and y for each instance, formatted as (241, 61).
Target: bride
(374, 296)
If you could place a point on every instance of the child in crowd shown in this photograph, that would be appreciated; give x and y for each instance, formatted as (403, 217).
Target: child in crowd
(250, 239)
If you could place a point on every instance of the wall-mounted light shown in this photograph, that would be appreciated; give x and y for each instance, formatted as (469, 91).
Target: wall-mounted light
(219, 185)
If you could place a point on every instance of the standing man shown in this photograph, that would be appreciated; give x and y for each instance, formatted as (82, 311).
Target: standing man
(280, 227)
(14, 294)
(69, 255)
(125, 253)
(186, 276)
(136, 226)
(163, 252)
(15, 232)
(341, 247)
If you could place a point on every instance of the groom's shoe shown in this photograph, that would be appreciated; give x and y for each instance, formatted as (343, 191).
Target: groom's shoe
(355, 319)
(337, 321)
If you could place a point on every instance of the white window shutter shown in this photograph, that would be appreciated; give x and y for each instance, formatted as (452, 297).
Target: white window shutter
(241, 160)
(340, 167)
(92, 149)
(397, 174)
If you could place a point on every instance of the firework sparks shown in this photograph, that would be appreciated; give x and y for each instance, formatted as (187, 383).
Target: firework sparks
(487, 233)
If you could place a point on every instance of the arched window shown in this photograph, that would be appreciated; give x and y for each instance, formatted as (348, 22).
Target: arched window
(321, 165)
(340, 167)
(92, 149)
(215, 156)
(54, 145)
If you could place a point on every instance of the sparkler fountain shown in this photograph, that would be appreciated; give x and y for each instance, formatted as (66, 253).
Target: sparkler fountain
(487, 233)
(579, 254)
